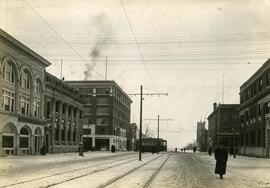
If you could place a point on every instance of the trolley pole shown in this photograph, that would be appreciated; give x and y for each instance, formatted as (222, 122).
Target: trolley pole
(158, 119)
(140, 141)
(141, 108)
(158, 133)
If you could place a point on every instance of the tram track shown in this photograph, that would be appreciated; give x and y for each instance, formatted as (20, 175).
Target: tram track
(148, 183)
(75, 170)
(110, 182)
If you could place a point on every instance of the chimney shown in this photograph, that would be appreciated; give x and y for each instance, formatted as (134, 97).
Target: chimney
(215, 106)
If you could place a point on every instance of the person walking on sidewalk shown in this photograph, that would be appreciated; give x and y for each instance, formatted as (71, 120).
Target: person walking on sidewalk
(81, 150)
(221, 156)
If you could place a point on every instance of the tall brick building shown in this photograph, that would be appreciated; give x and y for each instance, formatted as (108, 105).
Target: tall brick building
(106, 114)
(254, 113)
(202, 139)
(223, 126)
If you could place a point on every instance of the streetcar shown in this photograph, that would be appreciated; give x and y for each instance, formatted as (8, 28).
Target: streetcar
(152, 145)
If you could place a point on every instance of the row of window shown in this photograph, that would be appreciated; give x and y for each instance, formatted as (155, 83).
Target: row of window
(252, 139)
(8, 103)
(256, 87)
(122, 115)
(65, 108)
(99, 121)
(255, 111)
(8, 137)
(9, 75)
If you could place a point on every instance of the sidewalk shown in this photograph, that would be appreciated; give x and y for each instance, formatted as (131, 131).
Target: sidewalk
(255, 171)
(11, 163)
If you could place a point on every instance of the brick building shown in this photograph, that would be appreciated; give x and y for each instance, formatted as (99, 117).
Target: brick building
(63, 112)
(22, 89)
(131, 136)
(202, 136)
(223, 126)
(106, 114)
(254, 113)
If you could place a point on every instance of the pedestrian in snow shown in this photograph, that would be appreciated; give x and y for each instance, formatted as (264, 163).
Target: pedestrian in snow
(210, 150)
(221, 156)
(194, 149)
(81, 151)
(43, 149)
(113, 148)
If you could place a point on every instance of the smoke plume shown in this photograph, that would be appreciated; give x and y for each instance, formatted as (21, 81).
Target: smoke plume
(103, 30)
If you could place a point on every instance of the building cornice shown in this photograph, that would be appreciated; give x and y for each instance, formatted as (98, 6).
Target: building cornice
(256, 75)
(88, 83)
(9, 40)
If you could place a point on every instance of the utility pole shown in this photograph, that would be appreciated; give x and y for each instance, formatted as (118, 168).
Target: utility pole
(61, 69)
(106, 69)
(158, 119)
(141, 108)
(222, 89)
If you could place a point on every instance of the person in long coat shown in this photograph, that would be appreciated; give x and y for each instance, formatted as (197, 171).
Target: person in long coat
(43, 149)
(221, 156)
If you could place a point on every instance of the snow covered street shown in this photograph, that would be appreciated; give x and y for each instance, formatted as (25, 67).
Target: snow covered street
(122, 169)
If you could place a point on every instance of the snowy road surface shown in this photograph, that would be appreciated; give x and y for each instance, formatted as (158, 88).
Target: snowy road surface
(123, 170)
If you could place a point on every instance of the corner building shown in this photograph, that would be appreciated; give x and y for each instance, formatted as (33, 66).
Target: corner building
(22, 90)
(254, 113)
(106, 115)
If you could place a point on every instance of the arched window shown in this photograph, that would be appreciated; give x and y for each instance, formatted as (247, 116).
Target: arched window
(9, 73)
(25, 79)
(24, 138)
(8, 137)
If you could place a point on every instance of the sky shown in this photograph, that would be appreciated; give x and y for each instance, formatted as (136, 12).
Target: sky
(186, 48)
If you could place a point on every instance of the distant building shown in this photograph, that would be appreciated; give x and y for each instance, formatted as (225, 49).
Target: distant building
(131, 136)
(106, 114)
(63, 112)
(223, 126)
(254, 113)
(22, 88)
(202, 139)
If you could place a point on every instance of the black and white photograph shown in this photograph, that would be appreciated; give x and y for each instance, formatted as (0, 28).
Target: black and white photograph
(134, 94)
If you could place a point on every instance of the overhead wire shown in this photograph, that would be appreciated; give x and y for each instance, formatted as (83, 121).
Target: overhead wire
(55, 32)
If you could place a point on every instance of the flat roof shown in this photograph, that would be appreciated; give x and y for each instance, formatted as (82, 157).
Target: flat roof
(256, 74)
(94, 82)
(220, 106)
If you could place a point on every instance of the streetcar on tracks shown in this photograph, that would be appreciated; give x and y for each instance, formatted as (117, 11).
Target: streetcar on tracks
(152, 145)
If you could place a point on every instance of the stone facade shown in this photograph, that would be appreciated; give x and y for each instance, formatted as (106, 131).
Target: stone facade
(63, 112)
(26, 89)
(21, 97)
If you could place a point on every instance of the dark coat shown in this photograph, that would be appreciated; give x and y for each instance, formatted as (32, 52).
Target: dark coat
(221, 156)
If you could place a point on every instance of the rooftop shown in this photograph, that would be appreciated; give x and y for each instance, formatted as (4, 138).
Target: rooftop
(9, 39)
(87, 83)
(256, 74)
